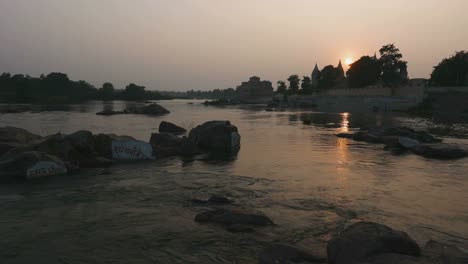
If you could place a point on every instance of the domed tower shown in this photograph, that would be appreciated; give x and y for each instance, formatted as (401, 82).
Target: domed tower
(315, 76)
(339, 71)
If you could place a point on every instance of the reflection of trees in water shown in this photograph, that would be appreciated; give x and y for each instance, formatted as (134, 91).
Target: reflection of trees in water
(108, 106)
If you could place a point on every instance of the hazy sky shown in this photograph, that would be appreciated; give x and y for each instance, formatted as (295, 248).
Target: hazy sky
(208, 44)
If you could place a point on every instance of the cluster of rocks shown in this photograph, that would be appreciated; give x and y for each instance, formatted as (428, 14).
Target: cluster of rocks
(402, 139)
(24, 155)
(366, 243)
(151, 109)
(221, 102)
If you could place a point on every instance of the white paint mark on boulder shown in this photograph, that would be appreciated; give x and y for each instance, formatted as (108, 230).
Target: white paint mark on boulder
(45, 168)
(131, 150)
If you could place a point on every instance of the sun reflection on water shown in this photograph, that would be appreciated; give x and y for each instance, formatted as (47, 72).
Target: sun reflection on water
(344, 122)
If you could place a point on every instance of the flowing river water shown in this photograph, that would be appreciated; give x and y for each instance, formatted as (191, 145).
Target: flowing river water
(308, 181)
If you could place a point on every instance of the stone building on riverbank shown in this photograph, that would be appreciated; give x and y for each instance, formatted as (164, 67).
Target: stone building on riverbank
(255, 91)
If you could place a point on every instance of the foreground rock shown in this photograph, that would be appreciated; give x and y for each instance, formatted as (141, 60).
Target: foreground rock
(17, 135)
(122, 147)
(216, 136)
(165, 145)
(283, 253)
(167, 127)
(440, 151)
(229, 217)
(31, 165)
(366, 239)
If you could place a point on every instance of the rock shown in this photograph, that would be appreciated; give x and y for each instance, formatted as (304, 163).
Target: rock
(240, 229)
(31, 165)
(408, 143)
(441, 151)
(365, 239)
(17, 135)
(393, 259)
(105, 172)
(218, 199)
(166, 127)
(233, 217)
(345, 135)
(7, 146)
(216, 136)
(367, 137)
(110, 112)
(166, 145)
(282, 253)
(151, 109)
(122, 147)
(96, 162)
(434, 250)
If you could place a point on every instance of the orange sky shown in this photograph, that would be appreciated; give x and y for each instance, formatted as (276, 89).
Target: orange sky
(208, 44)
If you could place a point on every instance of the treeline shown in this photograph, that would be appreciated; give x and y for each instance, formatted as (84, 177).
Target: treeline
(213, 94)
(56, 87)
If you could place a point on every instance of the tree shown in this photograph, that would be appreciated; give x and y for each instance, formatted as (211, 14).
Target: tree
(306, 85)
(363, 72)
(294, 83)
(282, 88)
(134, 92)
(393, 68)
(452, 71)
(107, 91)
(328, 77)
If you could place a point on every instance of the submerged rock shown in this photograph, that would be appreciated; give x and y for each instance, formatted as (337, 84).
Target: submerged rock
(441, 151)
(233, 217)
(31, 165)
(216, 136)
(167, 127)
(365, 239)
(110, 112)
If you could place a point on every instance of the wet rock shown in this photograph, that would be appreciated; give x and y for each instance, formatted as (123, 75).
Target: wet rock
(367, 137)
(218, 199)
(151, 109)
(7, 146)
(240, 229)
(165, 145)
(167, 127)
(345, 135)
(365, 239)
(408, 143)
(441, 151)
(105, 172)
(17, 135)
(233, 217)
(443, 253)
(31, 165)
(393, 259)
(96, 162)
(216, 136)
(283, 253)
(110, 112)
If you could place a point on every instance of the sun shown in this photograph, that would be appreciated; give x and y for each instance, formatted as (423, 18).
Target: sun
(349, 61)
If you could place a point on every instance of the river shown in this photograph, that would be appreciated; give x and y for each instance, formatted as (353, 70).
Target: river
(308, 181)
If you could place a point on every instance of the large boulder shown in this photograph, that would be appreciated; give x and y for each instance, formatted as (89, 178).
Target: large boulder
(167, 127)
(440, 151)
(365, 239)
(151, 109)
(165, 145)
(216, 136)
(234, 217)
(17, 135)
(31, 165)
(122, 147)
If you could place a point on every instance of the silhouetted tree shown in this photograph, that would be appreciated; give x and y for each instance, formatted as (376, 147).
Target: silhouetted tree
(107, 91)
(282, 88)
(363, 72)
(306, 85)
(394, 70)
(134, 92)
(452, 71)
(328, 77)
(294, 83)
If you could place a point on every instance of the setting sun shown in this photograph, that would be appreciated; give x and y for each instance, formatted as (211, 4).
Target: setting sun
(348, 61)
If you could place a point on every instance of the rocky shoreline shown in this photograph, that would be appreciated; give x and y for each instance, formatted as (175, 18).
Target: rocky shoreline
(399, 140)
(24, 155)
